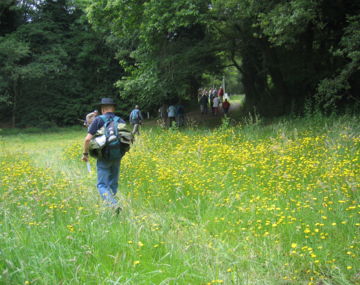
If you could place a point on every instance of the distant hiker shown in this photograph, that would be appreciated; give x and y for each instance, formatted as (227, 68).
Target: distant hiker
(216, 104)
(226, 106)
(200, 93)
(214, 92)
(212, 95)
(108, 169)
(162, 116)
(163, 112)
(180, 114)
(90, 118)
(204, 102)
(220, 92)
(135, 120)
(171, 114)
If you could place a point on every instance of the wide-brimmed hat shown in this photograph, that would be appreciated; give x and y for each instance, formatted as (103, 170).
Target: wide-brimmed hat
(107, 101)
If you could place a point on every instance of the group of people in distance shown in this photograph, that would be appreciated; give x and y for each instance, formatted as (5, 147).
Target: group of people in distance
(135, 119)
(108, 168)
(172, 114)
(215, 98)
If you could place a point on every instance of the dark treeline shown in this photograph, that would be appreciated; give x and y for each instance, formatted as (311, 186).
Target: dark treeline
(290, 55)
(53, 66)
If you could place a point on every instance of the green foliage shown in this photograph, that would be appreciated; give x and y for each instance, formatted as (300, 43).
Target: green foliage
(55, 65)
(285, 51)
(331, 90)
(13, 52)
(285, 22)
(163, 48)
(59, 68)
(14, 70)
(225, 123)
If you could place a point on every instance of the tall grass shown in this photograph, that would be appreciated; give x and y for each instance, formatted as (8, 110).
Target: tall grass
(250, 204)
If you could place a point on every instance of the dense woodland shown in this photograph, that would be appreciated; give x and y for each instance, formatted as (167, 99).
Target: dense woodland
(58, 57)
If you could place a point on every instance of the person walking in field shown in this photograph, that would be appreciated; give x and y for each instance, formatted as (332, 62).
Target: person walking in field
(216, 104)
(226, 106)
(171, 114)
(135, 120)
(163, 115)
(180, 114)
(107, 169)
(204, 104)
(90, 118)
(212, 95)
(163, 112)
(220, 94)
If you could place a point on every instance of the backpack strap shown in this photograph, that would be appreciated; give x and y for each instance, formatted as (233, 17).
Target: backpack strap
(104, 118)
(116, 123)
(107, 120)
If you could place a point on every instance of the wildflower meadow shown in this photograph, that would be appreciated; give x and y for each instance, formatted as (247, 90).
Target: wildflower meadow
(244, 204)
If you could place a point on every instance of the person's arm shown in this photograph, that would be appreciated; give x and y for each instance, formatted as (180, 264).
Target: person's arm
(87, 140)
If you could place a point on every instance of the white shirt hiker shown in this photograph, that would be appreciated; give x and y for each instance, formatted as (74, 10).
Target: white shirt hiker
(216, 102)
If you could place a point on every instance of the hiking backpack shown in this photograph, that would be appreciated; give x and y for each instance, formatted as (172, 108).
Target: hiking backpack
(134, 115)
(112, 140)
(114, 148)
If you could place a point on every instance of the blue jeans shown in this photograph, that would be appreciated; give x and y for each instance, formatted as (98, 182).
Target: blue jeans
(107, 182)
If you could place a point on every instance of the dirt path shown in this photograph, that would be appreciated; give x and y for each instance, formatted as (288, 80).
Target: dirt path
(210, 120)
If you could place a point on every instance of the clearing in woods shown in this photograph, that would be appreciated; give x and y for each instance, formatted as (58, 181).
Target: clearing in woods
(245, 204)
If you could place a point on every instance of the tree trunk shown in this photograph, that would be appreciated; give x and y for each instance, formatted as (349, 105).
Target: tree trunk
(13, 111)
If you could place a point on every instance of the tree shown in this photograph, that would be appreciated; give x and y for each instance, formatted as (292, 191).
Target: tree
(66, 69)
(54, 66)
(13, 54)
(10, 16)
(163, 46)
(284, 49)
(344, 83)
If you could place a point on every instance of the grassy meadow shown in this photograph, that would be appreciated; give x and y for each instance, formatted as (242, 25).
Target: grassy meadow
(244, 204)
